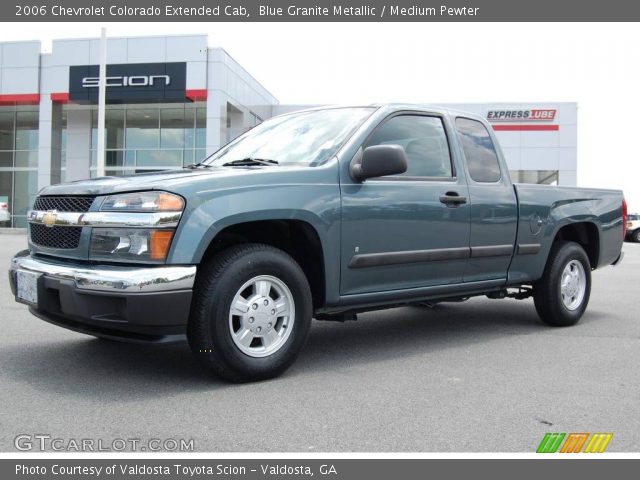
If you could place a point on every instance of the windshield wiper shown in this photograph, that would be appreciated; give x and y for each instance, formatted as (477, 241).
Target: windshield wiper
(250, 161)
(193, 166)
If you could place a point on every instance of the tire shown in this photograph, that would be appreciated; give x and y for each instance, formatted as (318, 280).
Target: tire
(245, 275)
(635, 236)
(558, 306)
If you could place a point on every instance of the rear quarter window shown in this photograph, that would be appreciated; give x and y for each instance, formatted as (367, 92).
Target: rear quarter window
(479, 151)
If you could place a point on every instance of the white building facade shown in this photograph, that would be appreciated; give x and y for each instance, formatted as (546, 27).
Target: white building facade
(171, 100)
(539, 140)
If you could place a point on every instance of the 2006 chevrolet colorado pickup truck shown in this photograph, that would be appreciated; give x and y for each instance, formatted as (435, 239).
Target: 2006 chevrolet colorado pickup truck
(322, 213)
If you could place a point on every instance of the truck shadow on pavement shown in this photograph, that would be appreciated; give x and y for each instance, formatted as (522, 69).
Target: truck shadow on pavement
(94, 369)
(403, 332)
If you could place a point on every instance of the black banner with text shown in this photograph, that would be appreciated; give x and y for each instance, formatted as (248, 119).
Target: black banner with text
(320, 10)
(334, 469)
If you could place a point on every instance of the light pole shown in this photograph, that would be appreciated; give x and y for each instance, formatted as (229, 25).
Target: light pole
(102, 96)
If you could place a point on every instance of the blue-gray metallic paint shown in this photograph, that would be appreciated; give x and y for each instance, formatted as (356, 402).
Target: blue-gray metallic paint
(379, 216)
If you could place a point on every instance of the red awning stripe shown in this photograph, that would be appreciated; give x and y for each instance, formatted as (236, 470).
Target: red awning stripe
(60, 97)
(526, 128)
(20, 99)
(196, 95)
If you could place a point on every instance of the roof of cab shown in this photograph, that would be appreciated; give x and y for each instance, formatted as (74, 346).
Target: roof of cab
(428, 107)
(391, 107)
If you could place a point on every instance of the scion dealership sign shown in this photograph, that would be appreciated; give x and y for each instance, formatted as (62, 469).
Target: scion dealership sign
(130, 83)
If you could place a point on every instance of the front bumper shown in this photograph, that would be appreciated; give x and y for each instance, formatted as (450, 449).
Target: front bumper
(148, 304)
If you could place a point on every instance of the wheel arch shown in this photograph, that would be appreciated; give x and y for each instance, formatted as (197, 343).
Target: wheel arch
(297, 237)
(586, 234)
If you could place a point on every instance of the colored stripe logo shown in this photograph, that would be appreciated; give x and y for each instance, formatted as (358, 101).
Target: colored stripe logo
(573, 442)
(550, 443)
(598, 442)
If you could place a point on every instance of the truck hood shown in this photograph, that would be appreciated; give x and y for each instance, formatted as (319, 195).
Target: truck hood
(165, 180)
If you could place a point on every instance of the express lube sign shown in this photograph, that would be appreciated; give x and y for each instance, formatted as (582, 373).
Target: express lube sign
(522, 115)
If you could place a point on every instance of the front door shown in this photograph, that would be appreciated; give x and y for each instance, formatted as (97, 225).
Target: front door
(409, 230)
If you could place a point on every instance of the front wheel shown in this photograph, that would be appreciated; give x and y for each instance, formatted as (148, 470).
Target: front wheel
(635, 236)
(562, 294)
(251, 313)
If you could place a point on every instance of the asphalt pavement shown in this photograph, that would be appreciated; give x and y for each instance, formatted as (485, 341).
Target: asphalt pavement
(483, 375)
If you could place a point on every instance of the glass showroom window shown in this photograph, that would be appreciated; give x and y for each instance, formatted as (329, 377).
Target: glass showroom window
(544, 177)
(18, 162)
(145, 138)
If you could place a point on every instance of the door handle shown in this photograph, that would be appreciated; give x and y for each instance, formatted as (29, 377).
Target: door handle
(452, 199)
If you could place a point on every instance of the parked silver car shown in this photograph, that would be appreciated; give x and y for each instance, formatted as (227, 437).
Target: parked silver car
(5, 216)
(633, 228)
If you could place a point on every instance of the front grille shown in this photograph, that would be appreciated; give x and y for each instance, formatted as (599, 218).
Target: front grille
(64, 204)
(55, 237)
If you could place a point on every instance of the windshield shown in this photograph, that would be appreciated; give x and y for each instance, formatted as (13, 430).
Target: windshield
(306, 138)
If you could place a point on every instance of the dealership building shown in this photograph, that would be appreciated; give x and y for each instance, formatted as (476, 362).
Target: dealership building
(171, 100)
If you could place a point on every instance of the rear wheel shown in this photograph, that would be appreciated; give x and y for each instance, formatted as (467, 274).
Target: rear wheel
(562, 294)
(635, 236)
(251, 313)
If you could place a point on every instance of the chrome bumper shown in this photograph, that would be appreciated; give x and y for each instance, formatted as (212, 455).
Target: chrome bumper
(106, 278)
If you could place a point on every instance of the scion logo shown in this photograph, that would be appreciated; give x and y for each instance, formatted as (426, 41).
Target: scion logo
(132, 81)
(573, 443)
(527, 115)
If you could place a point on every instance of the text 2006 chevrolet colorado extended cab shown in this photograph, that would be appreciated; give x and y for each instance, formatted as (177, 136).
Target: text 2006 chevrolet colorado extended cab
(321, 213)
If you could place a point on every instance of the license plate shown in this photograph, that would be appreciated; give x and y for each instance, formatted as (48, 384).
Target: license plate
(27, 286)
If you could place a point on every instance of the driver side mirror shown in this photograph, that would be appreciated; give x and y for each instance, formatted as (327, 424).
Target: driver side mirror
(378, 161)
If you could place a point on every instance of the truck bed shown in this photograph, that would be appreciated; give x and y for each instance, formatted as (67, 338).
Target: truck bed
(545, 209)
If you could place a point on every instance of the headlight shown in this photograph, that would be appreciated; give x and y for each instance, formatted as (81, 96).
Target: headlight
(143, 202)
(123, 238)
(130, 244)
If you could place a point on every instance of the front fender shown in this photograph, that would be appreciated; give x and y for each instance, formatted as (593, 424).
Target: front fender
(317, 205)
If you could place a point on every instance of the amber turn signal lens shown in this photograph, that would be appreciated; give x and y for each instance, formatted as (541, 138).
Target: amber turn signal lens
(159, 243)
(168, 202)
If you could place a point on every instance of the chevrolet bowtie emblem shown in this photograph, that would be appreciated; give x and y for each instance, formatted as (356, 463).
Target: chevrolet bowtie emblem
(49, 218)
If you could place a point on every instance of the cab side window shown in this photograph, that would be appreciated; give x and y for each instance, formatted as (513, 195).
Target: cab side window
(424, 141)
(479, 151)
